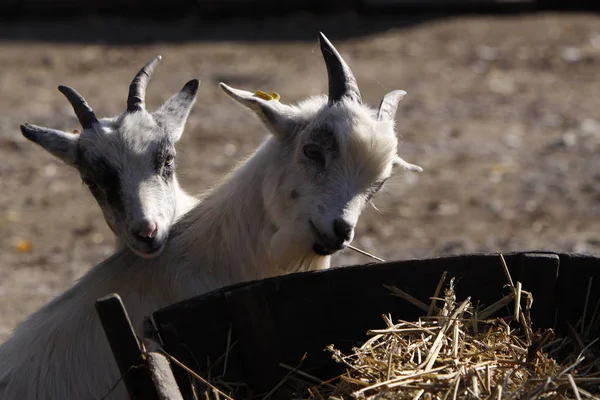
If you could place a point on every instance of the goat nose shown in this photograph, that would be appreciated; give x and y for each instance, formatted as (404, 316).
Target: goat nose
(342, 230)
(146, 229)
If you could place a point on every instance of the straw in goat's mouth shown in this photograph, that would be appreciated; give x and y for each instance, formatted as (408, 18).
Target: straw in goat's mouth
(356, 249)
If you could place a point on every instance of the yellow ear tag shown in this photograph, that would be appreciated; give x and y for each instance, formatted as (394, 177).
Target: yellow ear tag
(267, 96)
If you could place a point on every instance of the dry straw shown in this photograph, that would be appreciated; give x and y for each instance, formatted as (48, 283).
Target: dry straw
(455, 351)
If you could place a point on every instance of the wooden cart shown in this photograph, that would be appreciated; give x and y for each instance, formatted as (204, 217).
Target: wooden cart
(277, 320)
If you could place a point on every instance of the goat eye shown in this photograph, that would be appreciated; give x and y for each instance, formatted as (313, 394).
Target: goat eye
(169, 161)
(313, 152)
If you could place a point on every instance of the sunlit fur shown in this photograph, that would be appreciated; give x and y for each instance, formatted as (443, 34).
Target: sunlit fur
(131, 144)
(122, 161)
(251, 225)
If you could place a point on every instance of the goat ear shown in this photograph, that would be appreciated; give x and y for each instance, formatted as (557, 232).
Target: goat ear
(389, 105)
(399, 162)
(276, 116)
(175, 111)
(387, 112)
(60, 144)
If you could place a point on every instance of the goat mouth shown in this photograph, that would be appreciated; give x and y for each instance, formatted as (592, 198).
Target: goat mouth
(149, 251)
(149, 254)
(321, 250)
(323, 246)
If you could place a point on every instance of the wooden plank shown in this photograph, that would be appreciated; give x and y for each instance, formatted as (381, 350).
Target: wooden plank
(258, 339)
(538, 272)
(174, 346)
(200, 342)
(160, 370)
(578, 285)
(125, 347)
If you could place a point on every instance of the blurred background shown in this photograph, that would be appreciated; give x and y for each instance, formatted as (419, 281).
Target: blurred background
(502, 112)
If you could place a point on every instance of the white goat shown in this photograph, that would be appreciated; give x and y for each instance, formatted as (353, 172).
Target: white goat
(287, 208)
(128, 161)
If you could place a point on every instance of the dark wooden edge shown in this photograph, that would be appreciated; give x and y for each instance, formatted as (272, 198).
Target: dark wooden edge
(574, 290)
(184, 380)
(125, 347)
(219, 293)
(540, 270)
(256, 334)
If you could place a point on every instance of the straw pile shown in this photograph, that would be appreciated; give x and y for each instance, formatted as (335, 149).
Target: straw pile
(455, 351)
(459, 352)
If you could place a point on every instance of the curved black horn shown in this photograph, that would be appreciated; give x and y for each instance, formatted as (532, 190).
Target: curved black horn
(341, 80)
(137, 89)
(84, 112)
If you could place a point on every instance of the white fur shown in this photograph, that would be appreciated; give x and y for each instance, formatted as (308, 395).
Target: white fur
(132, 146)
(248, 227)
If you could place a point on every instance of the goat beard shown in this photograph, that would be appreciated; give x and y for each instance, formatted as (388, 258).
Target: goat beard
(291, 249)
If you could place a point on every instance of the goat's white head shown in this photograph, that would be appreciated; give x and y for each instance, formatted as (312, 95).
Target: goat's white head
(332, 155)
(127, 162)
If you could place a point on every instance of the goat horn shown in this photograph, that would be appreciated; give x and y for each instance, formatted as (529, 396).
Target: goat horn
(389, 105)
(341, 80)
(137, 89)
(84, 112)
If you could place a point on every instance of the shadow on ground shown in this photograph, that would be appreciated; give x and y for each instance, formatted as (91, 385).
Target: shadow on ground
(197, 23)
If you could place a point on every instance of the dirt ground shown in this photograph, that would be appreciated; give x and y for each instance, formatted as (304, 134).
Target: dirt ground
(503, 113)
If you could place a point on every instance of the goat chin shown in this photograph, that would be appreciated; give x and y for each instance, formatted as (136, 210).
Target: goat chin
(290, 244)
